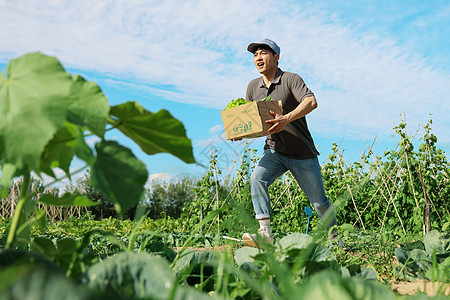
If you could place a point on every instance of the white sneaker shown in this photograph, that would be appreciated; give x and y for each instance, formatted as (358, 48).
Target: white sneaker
(258, 239)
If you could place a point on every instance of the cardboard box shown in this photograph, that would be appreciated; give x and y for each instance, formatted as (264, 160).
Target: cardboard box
(248, 120)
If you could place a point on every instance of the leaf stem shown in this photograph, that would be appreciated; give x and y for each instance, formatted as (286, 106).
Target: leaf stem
(65, 176)
(18, 211)
(114, 124)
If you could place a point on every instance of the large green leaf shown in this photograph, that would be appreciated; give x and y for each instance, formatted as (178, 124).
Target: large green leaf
(246, 254)
(295, 240)
(416, 262)
(61, 252)
(330, 285)
(89, 106)
(321, 253)
(441, 272)
(359, 271)
(403, 258)
(118, 174)
(68, 199)
(191, 258)
(33, 107)
(422, 258)
(139, 276)
(60, 151)
(3, 80)
(154, 132)
(7, 173)
(21, 257)
(30, 281)
(133, 274)
(438, 242)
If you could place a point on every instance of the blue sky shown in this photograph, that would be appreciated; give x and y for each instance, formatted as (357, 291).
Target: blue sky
(366, 61)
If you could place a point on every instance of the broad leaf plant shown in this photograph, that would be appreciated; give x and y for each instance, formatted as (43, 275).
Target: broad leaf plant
(46, 116)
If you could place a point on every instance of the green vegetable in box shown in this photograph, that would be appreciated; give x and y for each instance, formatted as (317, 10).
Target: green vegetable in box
(268, 98)
(237, 102)
(240, 101)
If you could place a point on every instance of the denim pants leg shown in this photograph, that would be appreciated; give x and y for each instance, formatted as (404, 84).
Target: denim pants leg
(270, 166)
(308, 176)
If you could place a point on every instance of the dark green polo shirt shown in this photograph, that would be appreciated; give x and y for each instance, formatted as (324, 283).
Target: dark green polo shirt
(295, 141)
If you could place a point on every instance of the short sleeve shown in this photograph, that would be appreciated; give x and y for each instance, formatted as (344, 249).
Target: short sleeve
(252, 87)
(248, 94)
(298, 88)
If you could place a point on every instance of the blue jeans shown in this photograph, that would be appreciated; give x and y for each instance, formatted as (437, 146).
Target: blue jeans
(307, 174)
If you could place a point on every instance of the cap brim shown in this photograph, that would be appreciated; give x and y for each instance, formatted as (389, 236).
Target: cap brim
(254, 46)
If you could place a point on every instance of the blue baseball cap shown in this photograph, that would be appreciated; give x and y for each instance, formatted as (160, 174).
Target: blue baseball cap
(264, 42)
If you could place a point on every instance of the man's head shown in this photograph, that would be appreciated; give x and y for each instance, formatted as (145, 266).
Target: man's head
(266, 54)
(267, 44)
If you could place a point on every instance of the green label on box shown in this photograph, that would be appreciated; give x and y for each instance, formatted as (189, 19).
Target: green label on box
(243, 127)
(245, 111)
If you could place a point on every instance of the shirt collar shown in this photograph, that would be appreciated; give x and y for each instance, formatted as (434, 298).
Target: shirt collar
(276, 79)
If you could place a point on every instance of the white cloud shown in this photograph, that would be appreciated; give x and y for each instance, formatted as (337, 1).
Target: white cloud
(159, 177)
(77, 170)
(215, 128)
(92, 140)
(194, 52)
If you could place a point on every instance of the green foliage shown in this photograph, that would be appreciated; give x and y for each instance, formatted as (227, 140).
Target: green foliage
(236, 102)
(134, 263)
(288, 205)
(377, 202)
(133, 275)
(168, 199)
(241, 101)
(378, 192)
(233, 197)
(45, 115)
(23, 97)
(370, 248)
(68, 199)
(154, 132)
(30, 275)
(61, 252)
(104, 208)
(268, 98)
(115, 168)
(208, 192)
(429, 259)
(391, 191)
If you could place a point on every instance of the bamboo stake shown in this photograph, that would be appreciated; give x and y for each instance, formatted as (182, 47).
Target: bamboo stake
(426, 212)
(291, 198)
(432, 168)
(351, 194)
(370, 201)
(411, 180)
(287, 187)
(385, 184)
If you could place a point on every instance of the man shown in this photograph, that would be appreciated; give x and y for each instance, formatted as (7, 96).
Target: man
(290, 145)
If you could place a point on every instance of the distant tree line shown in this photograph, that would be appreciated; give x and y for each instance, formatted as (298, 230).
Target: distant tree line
(162, 199)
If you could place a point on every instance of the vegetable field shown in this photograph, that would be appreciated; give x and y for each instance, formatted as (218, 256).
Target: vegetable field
(393, 210)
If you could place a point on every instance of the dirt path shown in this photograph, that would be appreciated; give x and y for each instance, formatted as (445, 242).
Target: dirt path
(421, 286)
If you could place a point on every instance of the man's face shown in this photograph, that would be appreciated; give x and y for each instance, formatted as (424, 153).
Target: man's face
(265, 61)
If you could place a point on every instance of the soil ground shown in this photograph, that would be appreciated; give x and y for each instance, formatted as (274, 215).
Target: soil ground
(421, 286)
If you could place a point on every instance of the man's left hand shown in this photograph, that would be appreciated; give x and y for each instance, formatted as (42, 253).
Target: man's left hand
(278, 121)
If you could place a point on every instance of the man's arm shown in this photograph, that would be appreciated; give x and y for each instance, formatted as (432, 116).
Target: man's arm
(280, 121)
